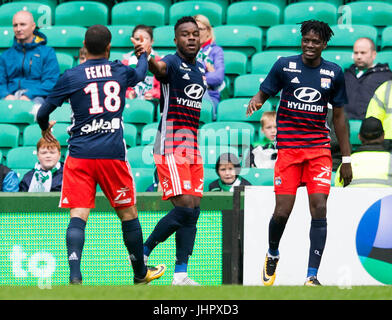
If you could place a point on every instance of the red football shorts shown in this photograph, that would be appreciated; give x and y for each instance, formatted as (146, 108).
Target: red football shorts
(179, 175)
(80, 178)
(310, 167)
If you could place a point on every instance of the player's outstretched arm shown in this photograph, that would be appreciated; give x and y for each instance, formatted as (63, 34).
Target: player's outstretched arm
(158, 68)
(339, 122)
(256, 102)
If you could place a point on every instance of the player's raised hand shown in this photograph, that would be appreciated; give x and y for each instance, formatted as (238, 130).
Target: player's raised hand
(141, 46)
(47, 134)
(254, 104)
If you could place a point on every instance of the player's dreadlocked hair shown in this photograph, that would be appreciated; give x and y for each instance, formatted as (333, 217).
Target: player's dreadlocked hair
(184, 20)
(319, 27)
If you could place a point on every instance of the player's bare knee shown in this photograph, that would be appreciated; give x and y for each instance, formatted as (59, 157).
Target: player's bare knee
(127, 213)
(318, 210)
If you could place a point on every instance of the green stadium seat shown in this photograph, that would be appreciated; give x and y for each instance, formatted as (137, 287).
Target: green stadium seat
(138, 111)
(6, 37)
(117, 54)
(121, 36)
(164, 38)
(9, 136)
(235, 62)
(384, 57)
(258, 176)
(256, 13)
(62, 113)
(165, 3)
(234, 133)
(374, 13)
(211, 153)
(143, 177)
(343, 58)
(21, 172)
(51, 3)
(355, 125)
(247, 85)
(210, 9)
(206, 111)
(16, 111)
(130, 134)
(336, 3)
(66, 61)
(247, 39)
(42, 13)
(262, 62)
(67, 39)
(148, 134)
(22, 157)
(209, 176)
(283, 36)
(386, 38)
(345, 36)
(32, 133)
(141, 156)
(138, 12)
(81, 13)
(301, 11)
(234, 109)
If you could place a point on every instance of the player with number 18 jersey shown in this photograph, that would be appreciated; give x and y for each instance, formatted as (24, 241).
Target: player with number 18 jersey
(96, 92)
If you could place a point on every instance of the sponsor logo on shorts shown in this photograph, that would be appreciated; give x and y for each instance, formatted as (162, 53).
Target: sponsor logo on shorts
(200, 187)
(325, 176)
(278, 181)
(122, 193)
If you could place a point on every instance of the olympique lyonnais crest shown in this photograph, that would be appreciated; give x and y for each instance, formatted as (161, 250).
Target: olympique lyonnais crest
(325, 83)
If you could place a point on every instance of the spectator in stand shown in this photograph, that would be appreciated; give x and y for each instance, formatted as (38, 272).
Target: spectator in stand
(371, 162)
(211, 56)
(380, 107)
(262, 154)
(363, 78)
(47, 174)
(82, 55)
(29, 69)
(9, 181)
(228, 169)
(149, 89)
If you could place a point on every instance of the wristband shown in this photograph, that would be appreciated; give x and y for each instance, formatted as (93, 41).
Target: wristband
(346, 159)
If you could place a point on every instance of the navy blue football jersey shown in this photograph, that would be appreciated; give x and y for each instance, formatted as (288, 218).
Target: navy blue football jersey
(182, 91)
(96, 91)
(306, 93)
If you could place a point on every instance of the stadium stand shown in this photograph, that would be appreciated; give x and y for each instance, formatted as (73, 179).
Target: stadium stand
(253, 34)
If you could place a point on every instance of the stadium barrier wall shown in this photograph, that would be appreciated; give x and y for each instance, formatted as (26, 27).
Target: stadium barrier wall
(359, 237)
(33, 249)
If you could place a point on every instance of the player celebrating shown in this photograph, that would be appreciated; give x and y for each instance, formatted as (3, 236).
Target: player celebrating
(308, 84)
(176, 154)
(97, 150)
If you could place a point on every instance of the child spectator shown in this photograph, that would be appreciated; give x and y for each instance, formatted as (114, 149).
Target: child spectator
(47, 174)
(82, 55)
(228, 169)
(262, 154)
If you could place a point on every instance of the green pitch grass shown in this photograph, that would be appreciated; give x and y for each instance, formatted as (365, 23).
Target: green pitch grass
(224, 292)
